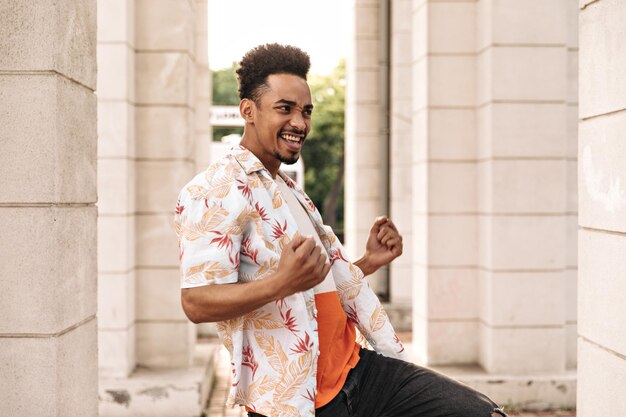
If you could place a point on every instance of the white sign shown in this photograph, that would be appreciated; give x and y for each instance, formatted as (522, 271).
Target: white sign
(226, 116)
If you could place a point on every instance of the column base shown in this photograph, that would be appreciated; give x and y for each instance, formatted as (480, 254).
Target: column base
(161, 392)
(533, 392)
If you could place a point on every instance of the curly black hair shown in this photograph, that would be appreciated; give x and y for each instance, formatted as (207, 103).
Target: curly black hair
(264, 60)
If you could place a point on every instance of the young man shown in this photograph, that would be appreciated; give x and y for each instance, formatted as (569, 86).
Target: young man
(257, 259)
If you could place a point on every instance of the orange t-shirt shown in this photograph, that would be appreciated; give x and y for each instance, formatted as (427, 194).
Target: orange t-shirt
(339, 351)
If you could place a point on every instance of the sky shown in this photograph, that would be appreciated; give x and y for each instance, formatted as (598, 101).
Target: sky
(319, 27)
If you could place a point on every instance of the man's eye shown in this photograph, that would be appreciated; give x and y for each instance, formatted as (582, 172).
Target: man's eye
(308, 112)
(284, 108)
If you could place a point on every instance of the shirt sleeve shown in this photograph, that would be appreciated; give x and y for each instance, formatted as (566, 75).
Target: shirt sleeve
(210, 221)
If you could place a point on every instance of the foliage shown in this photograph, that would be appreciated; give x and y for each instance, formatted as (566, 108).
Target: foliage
(225, 94)
(324, 149)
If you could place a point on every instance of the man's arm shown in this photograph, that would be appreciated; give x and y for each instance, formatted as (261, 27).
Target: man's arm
(302, 265)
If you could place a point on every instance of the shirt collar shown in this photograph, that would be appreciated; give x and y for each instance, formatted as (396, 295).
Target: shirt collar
(248, 161)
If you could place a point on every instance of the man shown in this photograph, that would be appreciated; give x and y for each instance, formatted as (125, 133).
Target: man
(257, 259)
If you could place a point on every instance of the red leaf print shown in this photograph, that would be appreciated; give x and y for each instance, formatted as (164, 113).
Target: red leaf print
(223, 241)
(179, 208)
(397, 340)
(245, 190)
(310, 395)
(262, 212)
(246, 250)
(303, 345)
(336, 255)
(234, 259)
(279, 231)
(248, 359)
(310, 203)
(351, 313)
(288, 320)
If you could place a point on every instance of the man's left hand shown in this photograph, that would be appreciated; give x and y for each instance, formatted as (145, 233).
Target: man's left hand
(384, 244)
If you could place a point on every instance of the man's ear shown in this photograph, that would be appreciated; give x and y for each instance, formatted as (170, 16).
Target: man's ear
(246, 109)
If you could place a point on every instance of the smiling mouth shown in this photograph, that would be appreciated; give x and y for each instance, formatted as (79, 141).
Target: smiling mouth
(292, 138)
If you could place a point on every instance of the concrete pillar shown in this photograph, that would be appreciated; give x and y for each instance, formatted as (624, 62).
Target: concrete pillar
(602, 232)
(165, 64)
(444, 213)
(116, 188)
(203, 130)
(366, 129)
(48, 330)
(522, 185)
(400, 201)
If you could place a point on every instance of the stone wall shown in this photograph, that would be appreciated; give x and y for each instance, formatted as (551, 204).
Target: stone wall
(602, 224)
(47, 214)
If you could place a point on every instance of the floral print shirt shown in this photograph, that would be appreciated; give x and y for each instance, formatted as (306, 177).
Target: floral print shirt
(232, 225)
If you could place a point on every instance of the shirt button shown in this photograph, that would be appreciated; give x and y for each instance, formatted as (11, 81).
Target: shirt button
(315, 312)
(317, 353)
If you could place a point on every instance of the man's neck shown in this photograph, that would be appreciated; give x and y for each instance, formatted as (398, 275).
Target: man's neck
(269, 161)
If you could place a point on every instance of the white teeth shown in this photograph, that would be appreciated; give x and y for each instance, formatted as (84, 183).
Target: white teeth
(291, 138)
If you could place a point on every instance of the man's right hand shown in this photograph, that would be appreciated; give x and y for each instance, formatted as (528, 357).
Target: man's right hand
(302, 265)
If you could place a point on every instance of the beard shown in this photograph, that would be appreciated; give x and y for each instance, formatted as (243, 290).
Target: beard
(289, 160)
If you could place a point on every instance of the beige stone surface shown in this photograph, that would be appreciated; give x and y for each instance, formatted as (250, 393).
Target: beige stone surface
(602, 60)
(165, 344)
(602, 288)
(571, 295)
(452, 187)
(451, 80)
(452, 134)
(116, 186)
(452, 294)
(164, 78)
(116, 237)
(535, 349)
(116, 352)
(366, 20)
(571, 346)
(601, 376)
(45, 376)
(452, 240)
(522, 186)
(523, 242)
(452, 342)
(116, 300)
(602, 173)
(156, 243)
(523, 298)
(159, 183)
(48, 255)
(452, 27)
(50, 36)
(116, 21)
(164, 25)
(116, 129)
(158, 295)
(165, 132)
(116, 64)
(34, 164)
(535, 22)
(505, 130)
(401, 283)
(511, 73)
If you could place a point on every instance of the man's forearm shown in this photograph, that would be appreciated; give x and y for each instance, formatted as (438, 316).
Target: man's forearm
(219, 302)
(365, 265)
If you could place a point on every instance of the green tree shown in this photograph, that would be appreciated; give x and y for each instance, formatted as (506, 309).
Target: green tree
(225, 93)
(323, 154)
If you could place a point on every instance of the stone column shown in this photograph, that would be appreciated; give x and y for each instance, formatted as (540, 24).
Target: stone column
(400, 148)
(522, 178)
(165, 65)
(48, 347)
(445, 217)
(116, 188)
(602, 187)
(366, 130)
(203, 130)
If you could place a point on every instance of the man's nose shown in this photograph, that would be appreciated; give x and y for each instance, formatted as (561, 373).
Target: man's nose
(298, 122)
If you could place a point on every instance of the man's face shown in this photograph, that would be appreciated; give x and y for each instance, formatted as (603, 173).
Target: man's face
(282, 120)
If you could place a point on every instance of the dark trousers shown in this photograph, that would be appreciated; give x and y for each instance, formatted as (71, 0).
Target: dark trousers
(386, 387)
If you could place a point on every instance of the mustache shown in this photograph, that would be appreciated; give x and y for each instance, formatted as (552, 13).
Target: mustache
(296, 131)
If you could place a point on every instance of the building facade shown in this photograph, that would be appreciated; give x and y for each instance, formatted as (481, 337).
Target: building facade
(494, 142)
